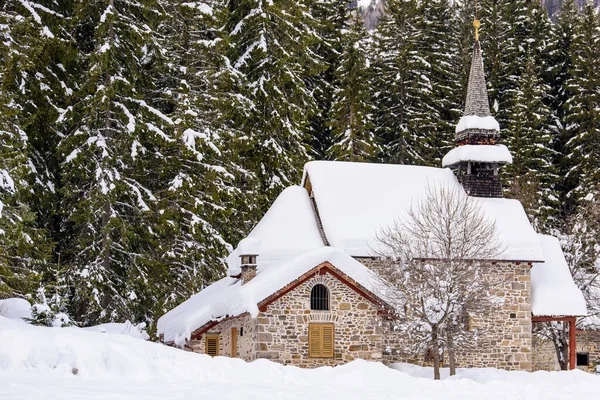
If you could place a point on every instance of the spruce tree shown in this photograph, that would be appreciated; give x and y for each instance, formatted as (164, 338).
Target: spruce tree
(398, 81)
(582, 108)
(330, 18)
(194, 226)
(532, 177)
(417, 81)
(271, 48)
(112, 162)
(352, 109)
(23, 246)
(559, 92)
(29, 85)
(440, 49)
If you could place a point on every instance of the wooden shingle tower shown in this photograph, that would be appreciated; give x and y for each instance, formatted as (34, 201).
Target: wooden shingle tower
(478, 156)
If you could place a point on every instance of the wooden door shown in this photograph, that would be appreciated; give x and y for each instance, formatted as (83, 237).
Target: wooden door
(234, 341)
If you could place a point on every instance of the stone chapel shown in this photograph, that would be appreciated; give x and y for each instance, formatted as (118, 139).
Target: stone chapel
(300, 287)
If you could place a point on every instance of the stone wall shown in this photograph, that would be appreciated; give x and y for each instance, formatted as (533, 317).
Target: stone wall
(504, 339)
(543, 355)
(589, 342)
(375, 264)
(282, 330)
(246, 340)
(280, 333)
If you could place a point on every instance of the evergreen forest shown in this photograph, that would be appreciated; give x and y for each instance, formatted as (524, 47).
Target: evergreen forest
(141, 139)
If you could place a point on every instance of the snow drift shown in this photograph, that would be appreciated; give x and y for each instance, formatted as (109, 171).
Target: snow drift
(65, 363)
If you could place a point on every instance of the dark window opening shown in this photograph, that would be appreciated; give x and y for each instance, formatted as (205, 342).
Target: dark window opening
(242, 331)
(583, 359)
(319, 298)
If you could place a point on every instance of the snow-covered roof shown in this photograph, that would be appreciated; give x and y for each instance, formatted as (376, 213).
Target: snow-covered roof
(229, 298)
(289, 227)
(487, 123)
(356, 200)
(478, 153)
(553, 292)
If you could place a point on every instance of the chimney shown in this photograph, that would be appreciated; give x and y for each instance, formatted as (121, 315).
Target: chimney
(248, 267)
(248, 249)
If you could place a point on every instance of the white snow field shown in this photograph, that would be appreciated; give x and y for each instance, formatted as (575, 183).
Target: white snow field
(69, 363)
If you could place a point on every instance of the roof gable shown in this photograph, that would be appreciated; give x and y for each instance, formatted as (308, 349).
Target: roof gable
(227, 297)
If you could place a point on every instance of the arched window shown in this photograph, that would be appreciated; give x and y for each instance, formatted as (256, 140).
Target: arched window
(319, 298)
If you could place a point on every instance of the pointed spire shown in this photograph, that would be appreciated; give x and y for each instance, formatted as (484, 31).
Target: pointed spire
(477, 98)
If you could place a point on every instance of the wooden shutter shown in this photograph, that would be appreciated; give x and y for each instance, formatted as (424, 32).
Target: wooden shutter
(234, 340)
(320, 340)
(327, 340)
(212, 345)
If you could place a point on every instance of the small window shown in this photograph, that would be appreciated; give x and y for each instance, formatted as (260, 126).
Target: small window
(212, 345)
(319, 298)
(320, 340)
(242, 331)
(583, 359)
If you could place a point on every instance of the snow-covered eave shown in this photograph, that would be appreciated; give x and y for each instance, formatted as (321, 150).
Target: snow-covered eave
(558, 316)
(487, 123)
(498, 154)
(207, 326)
(490, 260)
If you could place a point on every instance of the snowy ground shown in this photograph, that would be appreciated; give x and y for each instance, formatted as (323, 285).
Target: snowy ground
(39, 363)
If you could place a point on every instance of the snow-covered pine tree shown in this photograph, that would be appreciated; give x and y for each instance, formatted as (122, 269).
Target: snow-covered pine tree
(561, 57)
(271, 47)
(532, 176)
(494, 34)
(439, 48)
(330, 19)
(24, 248)
(560, 70)
(511, 32)
(39, 76)
(417, 81)
(112, 162)
(399, 81)
(583, 107)
(194, 224)
(352, 109)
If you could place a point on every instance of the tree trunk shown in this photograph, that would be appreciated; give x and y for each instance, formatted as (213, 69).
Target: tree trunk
(451, 356)
(436, 353)
(560, 339)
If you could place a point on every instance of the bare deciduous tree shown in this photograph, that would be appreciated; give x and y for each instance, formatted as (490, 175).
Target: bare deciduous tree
(436, 254)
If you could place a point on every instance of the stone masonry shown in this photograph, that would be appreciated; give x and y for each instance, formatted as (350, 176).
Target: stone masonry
(543, 355)
(246, 328)
(504, 340)
(588, 341)
(282, 330)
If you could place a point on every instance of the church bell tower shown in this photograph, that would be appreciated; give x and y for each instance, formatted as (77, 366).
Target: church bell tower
(477, 156)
